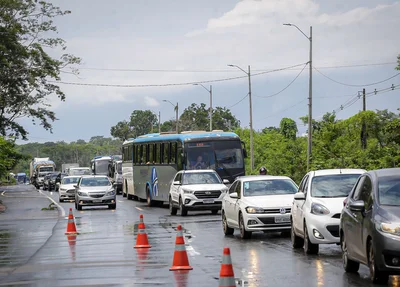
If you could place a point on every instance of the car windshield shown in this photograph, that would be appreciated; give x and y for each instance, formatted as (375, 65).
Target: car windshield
(80, 171)
(201, 178)
(70, 180)
(336, 185)
(102, 166)
(269, 187)
(95, 181)
(389, 190)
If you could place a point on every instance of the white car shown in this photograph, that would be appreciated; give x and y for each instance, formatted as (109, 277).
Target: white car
(79, 171)
(196, 190)
(317, 207)
(258, 203)
(66, 189)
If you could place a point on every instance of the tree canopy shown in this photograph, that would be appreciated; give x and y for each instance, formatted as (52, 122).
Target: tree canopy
(28, 73)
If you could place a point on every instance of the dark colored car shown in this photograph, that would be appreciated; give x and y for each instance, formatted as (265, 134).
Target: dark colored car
(47, 180)
(370, 225)
(59, 177)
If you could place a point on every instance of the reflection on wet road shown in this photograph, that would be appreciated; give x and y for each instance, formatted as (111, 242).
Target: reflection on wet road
(34, 251)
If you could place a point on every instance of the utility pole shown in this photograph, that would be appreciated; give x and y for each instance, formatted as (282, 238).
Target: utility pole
(364, 127)
(211, 110)
(177, 119)
(159, 122)
(309, 153)
(251, 125)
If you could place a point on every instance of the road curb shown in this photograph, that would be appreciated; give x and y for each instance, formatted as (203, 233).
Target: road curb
(60, 209)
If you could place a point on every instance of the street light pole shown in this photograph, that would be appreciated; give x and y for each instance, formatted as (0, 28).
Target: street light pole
(309, 150)
(251, 116)
(176, 110)
(210, 112)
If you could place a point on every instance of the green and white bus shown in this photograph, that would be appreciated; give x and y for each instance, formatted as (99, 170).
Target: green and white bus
(150, 162)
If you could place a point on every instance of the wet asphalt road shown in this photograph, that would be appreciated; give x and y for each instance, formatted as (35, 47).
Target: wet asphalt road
(34, 251)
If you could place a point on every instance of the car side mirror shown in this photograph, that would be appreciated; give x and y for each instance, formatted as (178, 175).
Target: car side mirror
(358, 206)
(233, 195)
(225, 181)
(176, 183)
(299, 196)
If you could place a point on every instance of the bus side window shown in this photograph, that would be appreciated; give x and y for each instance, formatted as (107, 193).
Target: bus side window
(142, 154)
(173, 152)
(150, 157)
(130, 152)
(179, 160)
(166, 153)
(157, 156)
(161, 148)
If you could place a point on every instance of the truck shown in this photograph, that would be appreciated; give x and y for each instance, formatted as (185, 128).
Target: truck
(66, 166)
(38, 168)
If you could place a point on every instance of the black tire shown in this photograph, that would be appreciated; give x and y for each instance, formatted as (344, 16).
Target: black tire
(243, 233)
(297, 241)
(214, 211)
(227, 230)
(172, 210)
(182, 208)
(129, 196)
(349, 265)
(112, 206)
(126, 192)
(60, 200)
(149, 201)
(375, 274)
(309, 248)
(78, 206)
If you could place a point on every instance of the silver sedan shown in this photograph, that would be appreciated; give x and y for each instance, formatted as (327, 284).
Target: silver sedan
(92, 190)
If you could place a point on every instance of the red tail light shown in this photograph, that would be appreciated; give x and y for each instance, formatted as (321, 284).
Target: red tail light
(344, 202)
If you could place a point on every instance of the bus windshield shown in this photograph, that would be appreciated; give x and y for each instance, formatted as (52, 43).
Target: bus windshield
(101, 166)
(213, 155)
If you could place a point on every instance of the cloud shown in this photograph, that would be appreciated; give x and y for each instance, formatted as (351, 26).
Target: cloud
(151, 102)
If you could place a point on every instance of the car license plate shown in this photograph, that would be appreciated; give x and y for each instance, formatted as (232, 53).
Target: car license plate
(208, 201)
(282, 219)
(97, 200)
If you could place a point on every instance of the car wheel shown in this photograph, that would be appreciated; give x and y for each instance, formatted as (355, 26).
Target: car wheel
(309, 247)
(172, 210)
(376, 275)
(112, 206)
(182, 208)
(243, 233)
(78, 206)
(214, 211)
(349, 265)
(226, 228)
(60, 200)
(297, 241)
(124, 190)
(150, 202)
(129, 196)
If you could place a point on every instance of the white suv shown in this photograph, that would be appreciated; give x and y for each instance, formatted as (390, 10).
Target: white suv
(316, 209)
(196, 190)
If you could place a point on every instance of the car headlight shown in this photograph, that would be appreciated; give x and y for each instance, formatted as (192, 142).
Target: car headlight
(253, 210)
(391, 228)
(187, 191)
(319, 209)
(111, 192)
(81, 193)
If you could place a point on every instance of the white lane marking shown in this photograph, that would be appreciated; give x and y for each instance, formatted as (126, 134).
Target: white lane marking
(138, 208)
(120, 201)
(191, 251)
(59, 207)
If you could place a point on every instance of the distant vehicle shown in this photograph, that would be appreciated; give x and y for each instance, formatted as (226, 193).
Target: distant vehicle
(59, 177)
(79, 171)
(196, 190)
(66, 188)
(49, 181)
(100, 165)
(115, 173)
(21, 178)
(258, 203)
(39, 167)
(94, 190)
(317, 206)
(151, 161)
(66, 166)
(369, 225)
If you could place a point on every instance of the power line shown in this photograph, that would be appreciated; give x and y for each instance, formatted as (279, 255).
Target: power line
(273, 95)
(354, 85)
(219, 70)
(238, 102)
(171, 84)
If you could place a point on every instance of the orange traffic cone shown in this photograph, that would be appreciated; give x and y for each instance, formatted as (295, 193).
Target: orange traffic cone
(71, 228)
(226, 276)
(141, 240)
(181, 261)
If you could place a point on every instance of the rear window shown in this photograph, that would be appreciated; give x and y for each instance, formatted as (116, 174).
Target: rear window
(336, 185)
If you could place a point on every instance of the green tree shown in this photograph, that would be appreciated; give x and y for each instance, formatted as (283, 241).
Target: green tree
(288, 128)
(122, 130)
(168, 126)
(27, 72)
(9, 156)
(141, 122)
(196, 117)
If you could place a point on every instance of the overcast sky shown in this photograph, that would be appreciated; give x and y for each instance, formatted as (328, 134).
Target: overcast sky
(193, 41)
